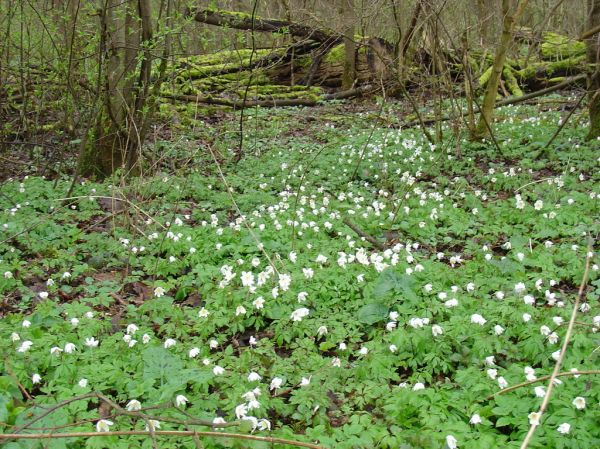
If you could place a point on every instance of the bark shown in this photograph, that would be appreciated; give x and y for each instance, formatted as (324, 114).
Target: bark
(489, 99)
(593, 53)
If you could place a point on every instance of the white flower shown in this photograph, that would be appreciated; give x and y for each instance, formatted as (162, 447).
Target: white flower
(498, 330)
(475, 419)
(276, 383)
(284, 281)
(181, 400)
(103, 425)
(8, 275)
(305, 381)
(540, 391)
(564, 428)
(240, 310)
(83, 382)
(218, 370)
(74, 322)
(145, 339)
(133, 405)
(394, 316)
(322, 330)
(393, 348)
(55, 350)
(553, 338)
(526, 317)
(436, 330)
(241, 411)
(43, 295)
(254, 377)
(91, 342)
(302, 296)
(70, 347)
(36, 378)
(152, 425)
(193, 352)
(545, 330)
(534, 418)
(169, 342)
(159, 291)
(264, 424)
(298, 314)
(203, 313)
(451, 442)
(131, 329)
(14, 337)
(213, 344)
(478, 319)
(579, 403)
(502, 383)
(492, 373)
(336, 362)
(26, 323)
(219, 420)
(25, 346)
(418, 386)
(490, 360)
(538, 205)
(364, 350)
(247, 279)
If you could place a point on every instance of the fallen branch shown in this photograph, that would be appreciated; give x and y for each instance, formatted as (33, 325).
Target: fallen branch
(563, 350)
(541, 379)
(369, 238)
(590, 33)
(172, 433)
(542, 92)
(273, 102)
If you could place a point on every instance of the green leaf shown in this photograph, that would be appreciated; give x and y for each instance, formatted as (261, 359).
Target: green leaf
(372, 313)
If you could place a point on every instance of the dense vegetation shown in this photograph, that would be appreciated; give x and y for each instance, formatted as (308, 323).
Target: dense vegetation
(347, 283)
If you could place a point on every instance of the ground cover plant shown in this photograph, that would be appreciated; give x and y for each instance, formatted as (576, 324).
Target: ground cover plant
(347, 285)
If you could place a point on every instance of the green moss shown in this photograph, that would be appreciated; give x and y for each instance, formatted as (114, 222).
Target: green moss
(485, 76)
(558, 46)
(338, 53)
(511, 82)
(548, 68)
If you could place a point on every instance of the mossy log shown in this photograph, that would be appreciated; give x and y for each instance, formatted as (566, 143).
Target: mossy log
(244, 21)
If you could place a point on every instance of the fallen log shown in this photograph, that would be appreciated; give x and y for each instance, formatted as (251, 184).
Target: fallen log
(273, 102)
(243, 21)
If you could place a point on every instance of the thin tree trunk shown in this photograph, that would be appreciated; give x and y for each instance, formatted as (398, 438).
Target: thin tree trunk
(489, 99)
(593, 51)
(349, 19)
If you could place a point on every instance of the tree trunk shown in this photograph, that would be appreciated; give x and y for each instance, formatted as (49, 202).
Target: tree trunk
(122, 125)
(489, 99)
(593, 51)
(349, 19)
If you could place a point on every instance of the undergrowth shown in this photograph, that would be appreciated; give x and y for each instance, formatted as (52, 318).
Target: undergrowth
(273, 312)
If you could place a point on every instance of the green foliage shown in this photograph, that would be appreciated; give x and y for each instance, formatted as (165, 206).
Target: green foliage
(359, 347)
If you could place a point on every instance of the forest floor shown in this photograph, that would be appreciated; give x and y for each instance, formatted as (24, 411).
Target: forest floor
(346, 284)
